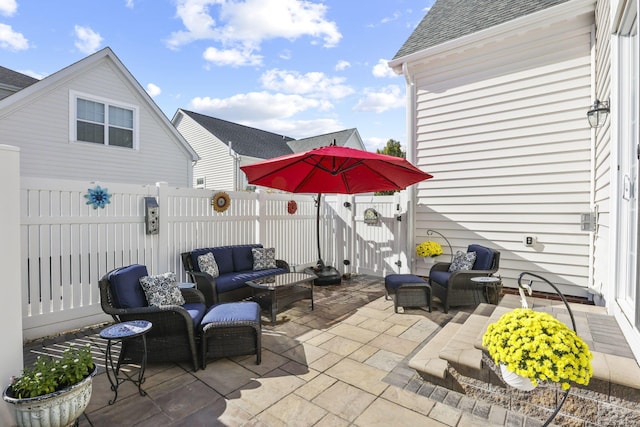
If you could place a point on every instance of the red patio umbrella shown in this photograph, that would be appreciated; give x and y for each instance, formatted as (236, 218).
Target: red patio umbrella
(334, 169)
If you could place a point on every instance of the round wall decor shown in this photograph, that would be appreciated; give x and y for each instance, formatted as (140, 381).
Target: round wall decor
(292, 207)
(220, 201)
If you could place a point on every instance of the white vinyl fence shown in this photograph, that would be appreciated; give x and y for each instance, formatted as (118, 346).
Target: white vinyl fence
(67, 245)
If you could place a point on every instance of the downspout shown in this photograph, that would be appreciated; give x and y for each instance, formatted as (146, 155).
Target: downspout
(236, 166)
(592, 173)
(411, 156)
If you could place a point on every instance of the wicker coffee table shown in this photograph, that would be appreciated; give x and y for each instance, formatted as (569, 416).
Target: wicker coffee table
(274, 293)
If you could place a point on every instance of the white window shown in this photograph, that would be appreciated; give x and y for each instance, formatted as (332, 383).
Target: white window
(200, 183)
(104, 122)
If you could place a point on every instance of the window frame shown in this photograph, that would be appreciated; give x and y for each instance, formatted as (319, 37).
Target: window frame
(73, 119)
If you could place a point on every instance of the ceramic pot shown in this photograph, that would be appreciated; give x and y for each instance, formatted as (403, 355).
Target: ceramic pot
(515, 380)
(58, 409)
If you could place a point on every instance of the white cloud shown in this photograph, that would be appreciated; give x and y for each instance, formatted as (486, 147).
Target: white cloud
(233, 57)
(342, 65)
(129, 4)
(153, 90)
(88, 41)
(255, 106)
(297, 128)
(375, 143)
(33, 74)
(244, 25)
(315, 84)
(8, 7)
(12, 40)
(382, 69)
(393, 17)
(379, 101)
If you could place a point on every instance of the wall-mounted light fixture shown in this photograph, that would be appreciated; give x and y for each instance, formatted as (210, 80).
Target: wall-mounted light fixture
(598, 113)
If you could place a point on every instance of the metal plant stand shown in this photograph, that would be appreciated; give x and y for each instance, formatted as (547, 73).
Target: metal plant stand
(527, 287)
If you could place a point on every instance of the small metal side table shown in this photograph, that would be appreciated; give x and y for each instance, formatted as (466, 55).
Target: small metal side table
(483, 282)
(121, 332)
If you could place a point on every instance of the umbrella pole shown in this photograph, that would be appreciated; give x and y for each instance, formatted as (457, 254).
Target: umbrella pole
(320, 262)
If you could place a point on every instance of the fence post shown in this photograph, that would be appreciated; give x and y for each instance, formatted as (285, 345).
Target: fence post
(162, 254)
(11, 359)
(261, 214)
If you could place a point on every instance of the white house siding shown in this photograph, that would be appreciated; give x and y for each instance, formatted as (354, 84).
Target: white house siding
(216, 164)
(501, 125)
(40, 127)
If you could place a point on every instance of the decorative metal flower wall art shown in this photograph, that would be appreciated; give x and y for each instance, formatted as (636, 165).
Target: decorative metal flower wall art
(221, 201)
(292, 207)
(98, 197)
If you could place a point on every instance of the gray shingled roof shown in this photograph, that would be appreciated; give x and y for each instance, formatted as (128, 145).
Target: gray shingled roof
(15, 79)
(245, 140)
(450, 19)
(306, 144)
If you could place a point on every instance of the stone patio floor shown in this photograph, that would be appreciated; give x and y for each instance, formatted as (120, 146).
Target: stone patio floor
(343, 364)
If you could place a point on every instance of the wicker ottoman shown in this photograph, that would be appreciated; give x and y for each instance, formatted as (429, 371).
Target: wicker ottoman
(409, 290)
(231, 329)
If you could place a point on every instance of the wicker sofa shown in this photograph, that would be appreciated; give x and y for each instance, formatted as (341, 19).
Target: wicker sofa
(235, 264)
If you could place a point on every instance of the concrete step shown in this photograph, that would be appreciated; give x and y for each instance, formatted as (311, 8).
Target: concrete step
(456, 359)
(460, 351)
(427, 361)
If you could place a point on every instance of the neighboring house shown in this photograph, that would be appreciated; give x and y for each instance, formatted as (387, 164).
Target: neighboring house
(344, 138)
(92, 121)
(499, 91)
(225, 146)
(12, 81)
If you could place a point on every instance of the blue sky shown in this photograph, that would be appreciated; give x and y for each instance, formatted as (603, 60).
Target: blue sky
(295, 67)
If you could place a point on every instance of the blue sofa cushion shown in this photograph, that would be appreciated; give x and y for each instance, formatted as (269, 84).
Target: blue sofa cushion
(233, 312)
(440, 277)
(243, 257)
(196, 310)
(484, 257)
(230, 281)
(393, 281)
(223, 256)
(125, 286)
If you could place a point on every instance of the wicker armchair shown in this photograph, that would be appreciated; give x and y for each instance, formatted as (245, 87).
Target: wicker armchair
(174, 331)
(456, 288)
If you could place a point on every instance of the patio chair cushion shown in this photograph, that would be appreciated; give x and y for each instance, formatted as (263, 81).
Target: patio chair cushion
(243, 257)
(207, 264)
(162, 289)
(196, 310)
(230, 281)
(264, 258)
(125, 286)
(393, 281)
(232, 312)
(484, 257)
(462, 261)
(442, 277)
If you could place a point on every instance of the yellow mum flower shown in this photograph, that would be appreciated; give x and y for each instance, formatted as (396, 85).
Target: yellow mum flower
(429, 248)
(538, 346)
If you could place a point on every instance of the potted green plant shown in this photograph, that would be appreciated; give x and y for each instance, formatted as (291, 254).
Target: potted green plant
(537, 347)
(53, 392)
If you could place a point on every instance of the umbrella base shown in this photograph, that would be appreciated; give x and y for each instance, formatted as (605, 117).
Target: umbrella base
(327, 275)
